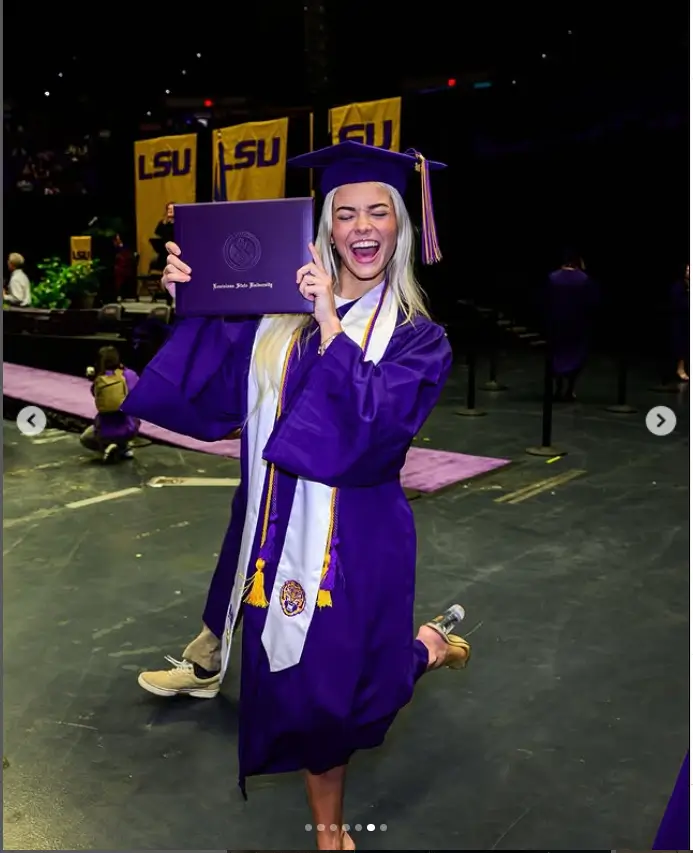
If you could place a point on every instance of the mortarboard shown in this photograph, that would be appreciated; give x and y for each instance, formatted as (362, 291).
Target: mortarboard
(356, 163)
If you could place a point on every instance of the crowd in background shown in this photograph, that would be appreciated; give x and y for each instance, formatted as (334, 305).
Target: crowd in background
(46, 160)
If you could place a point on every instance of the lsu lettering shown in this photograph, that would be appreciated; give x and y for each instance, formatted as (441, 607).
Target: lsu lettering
(165, 163)
(262, 153)
(165, 171)
(250, 161)
(80, 250)
(372, 122)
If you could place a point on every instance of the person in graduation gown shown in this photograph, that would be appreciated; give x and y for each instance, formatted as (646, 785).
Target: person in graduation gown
(320, 553)
(681, 323)
(674, 831)
(571, 303)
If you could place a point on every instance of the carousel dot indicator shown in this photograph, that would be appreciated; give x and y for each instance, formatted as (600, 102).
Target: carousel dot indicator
(383, 827)
(371, 827)
(333, 827)
(358, 827)
(346, 827)
(309, 827)
(321, 827)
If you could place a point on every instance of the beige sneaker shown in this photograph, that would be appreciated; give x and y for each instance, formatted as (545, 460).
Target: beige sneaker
(179, 681)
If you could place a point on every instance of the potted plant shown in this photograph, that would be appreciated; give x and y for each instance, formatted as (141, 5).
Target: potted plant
(82, 283)
(66, 285)
(50, 291)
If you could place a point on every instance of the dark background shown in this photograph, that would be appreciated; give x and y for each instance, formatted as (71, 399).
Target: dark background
(581, 139)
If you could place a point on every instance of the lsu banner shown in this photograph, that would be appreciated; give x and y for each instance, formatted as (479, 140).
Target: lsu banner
(373, 122)
(249, 161)
(80, 250)
(165, 172)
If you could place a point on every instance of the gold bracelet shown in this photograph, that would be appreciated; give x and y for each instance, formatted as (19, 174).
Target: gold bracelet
(325, 344)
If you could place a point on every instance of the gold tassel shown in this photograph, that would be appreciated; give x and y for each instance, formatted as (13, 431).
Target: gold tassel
(324, 595)
(256, 597)
(324, 598)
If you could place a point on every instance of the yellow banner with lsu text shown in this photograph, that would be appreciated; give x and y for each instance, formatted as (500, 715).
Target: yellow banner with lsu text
(249, 160)
(80, 250)
(165, 173)
(373, 122)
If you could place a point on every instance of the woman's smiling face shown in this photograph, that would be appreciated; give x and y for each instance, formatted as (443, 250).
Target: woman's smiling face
(364, 229)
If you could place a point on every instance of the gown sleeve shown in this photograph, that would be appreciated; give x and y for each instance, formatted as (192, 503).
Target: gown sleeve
(131, 379)
(352, 422)
(196, 385)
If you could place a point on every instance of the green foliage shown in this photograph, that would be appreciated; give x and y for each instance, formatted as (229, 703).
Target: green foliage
(60, 284)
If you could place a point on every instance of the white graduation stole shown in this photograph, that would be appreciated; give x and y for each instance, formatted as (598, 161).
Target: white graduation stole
(257, 432)
(295, 591)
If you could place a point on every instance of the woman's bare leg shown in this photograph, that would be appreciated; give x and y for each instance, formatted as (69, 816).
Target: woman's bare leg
(435, 645)
(326, 790)
(326, 799)
(681, 370)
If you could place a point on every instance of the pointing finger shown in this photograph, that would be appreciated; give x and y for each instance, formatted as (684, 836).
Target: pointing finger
(306, 269)
(316, 257)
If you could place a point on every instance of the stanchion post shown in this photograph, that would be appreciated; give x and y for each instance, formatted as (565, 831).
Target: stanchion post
(492, 384)
(546, 448)
(471, 411)
(621, 406)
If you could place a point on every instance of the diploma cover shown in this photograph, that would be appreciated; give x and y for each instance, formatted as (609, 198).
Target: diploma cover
(243, 256)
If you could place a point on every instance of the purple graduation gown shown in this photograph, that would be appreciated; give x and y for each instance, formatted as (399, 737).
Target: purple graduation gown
(675, 828)
(571, 303)
(681, 320)
(348, 424)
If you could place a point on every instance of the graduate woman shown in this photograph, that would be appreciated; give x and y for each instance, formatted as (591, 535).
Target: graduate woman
(321, 550)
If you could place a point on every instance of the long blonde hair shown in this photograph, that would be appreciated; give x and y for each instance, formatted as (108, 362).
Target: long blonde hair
(401, 279)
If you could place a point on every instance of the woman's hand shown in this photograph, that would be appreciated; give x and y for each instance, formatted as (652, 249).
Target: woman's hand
(316, 284)
(175, 269)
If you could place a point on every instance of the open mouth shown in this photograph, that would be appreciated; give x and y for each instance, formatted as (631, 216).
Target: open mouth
(365, 251)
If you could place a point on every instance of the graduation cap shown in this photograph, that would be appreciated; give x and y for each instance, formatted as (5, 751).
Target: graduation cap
(356, 163)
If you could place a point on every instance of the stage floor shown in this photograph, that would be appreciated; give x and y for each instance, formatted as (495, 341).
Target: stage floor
(566, 732)
(426, 469)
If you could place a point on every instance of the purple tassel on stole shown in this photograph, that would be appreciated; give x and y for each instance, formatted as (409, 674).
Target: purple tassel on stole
(429, 236)
(267, 550)
(328, 578)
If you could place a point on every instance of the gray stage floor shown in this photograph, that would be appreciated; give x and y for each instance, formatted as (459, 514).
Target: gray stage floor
(566, 732)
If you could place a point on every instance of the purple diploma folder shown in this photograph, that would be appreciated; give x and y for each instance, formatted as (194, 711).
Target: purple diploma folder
(243, 256)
